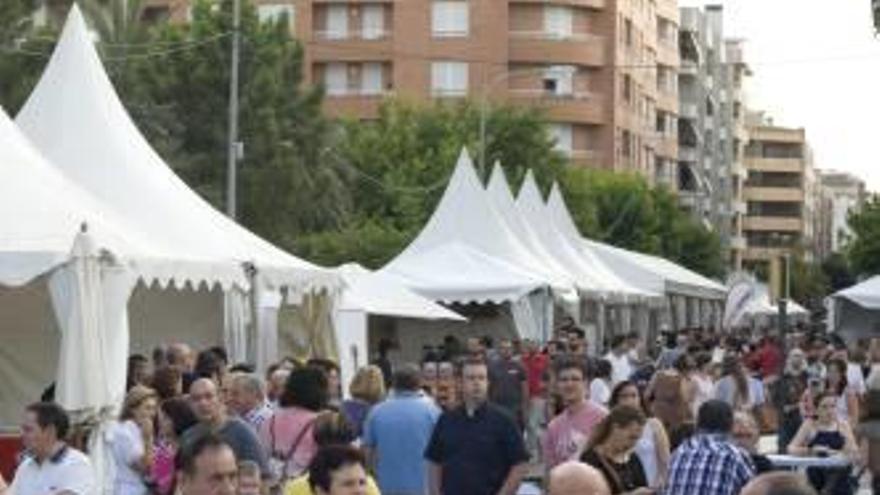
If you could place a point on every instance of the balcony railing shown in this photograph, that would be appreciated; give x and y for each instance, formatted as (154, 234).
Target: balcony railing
(353, 35)
(551, 36)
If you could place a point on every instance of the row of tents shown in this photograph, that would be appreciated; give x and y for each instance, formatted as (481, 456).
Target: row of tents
(105, 251)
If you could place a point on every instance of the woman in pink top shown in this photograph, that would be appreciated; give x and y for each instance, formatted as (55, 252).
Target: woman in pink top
(287, 434)
(568, 433)
(175, 417)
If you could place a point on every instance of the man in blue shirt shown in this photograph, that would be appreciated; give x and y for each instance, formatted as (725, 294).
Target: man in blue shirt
(396, 433)
(477, 448)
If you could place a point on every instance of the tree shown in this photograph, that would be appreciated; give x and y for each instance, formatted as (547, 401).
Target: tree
(23, 52)
(289, 181)
(863, 250)
(808, 282)
(402, 162)
(838, 272)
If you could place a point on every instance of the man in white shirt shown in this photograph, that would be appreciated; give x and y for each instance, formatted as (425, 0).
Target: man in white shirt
(621, 367)
(51, 467)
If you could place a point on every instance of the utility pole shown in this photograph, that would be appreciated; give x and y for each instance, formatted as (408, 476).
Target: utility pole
(233, 146)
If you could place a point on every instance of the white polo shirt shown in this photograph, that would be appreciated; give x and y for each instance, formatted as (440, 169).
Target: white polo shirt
(67, 471)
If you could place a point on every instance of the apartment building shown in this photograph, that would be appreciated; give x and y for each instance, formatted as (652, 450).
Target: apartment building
(778, 194)
(604, 71)
(845, 194)
(735, 138)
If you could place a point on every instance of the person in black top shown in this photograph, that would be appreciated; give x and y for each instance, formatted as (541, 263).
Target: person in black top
(610, 450)
(476, 448)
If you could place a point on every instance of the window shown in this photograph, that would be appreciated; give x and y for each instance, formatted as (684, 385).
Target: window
(373, 26)
(269, 13)
(627, 88)
(371, 78)
(559, 80)
(626, 143)
(628, 32)
(336, 79)
(449, 78)
(562, 138)
(450, 19)
(337, 21)
(558, 21)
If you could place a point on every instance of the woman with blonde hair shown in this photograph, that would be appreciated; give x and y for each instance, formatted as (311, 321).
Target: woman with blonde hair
(367, 388)
(131, 444)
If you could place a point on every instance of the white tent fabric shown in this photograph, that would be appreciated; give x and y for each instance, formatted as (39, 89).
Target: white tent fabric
(466, 253)
(505, 204)
(855, 311)
(592, 276)
(76, 119)
(866, 294)
(650, 273)
(371, 293)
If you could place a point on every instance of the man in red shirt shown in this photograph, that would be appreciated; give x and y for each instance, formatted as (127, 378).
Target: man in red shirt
(769, 357)
(535, 363)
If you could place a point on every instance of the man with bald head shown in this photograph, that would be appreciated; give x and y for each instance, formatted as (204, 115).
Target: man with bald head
(576, 478)
(779, 483)
(205, 399)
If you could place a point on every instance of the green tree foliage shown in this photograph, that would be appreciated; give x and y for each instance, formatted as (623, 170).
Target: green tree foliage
(863, 250)
(23, 53)
(402, 163)
(289, 183)
(809, 284)
(838, 272)
(621, 209)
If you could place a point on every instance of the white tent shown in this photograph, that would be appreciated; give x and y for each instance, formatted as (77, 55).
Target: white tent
(855, 311)
(593, 277)
(369, 293)
(76, 119)
(466, 253)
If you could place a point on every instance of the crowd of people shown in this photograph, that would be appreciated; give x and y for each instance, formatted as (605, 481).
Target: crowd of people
(680, 417)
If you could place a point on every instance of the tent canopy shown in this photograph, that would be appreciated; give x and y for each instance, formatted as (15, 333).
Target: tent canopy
(854, 310)
(866, 294)
(650, 273)
(377, 294)
(592, 275)
(466, 253)
(75, 118)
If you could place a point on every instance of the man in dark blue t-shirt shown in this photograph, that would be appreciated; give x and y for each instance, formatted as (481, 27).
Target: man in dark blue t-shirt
(477, 448)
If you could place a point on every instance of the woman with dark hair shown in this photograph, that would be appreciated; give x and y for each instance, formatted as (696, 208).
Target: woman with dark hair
(175, 417)
(847, 404)
(132, 442)
(331, 428)
(670, 394)
(733, 387)
(610, 450)
(653, 446)
(823, 436)
(287, 434)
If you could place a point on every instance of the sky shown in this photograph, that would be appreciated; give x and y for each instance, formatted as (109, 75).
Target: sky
(816, 65)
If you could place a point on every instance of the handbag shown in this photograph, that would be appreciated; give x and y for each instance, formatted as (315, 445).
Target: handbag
(279, 461)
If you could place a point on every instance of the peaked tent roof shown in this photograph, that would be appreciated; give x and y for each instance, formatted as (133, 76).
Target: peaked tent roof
(378, 294)
(591, 274)
(466, 252)
(502, 199)
(651, 273)
(43, 211)
(75, 117)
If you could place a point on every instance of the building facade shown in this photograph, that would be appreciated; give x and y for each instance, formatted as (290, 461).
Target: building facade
(604, 71)
(778, 193)
(844, 194)
(736, 137)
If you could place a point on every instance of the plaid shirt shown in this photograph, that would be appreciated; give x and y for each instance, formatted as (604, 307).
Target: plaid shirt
(708, 464)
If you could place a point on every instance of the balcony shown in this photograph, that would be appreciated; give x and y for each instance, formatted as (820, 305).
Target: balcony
(587, 158)
(592, 4)
(688, 111)
(738, 243)
(790, 165)
(765, 253)
(353, 46)
(777, 134)
(688, 68)
(773, 224)
(354, 104)
(547, 48)
(577, 108)
(784, 194)
(687, 154)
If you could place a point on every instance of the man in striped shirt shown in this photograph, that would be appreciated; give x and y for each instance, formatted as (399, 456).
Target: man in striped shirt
(709, 463)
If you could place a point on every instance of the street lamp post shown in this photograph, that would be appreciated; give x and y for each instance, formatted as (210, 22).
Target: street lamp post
(233, 146)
